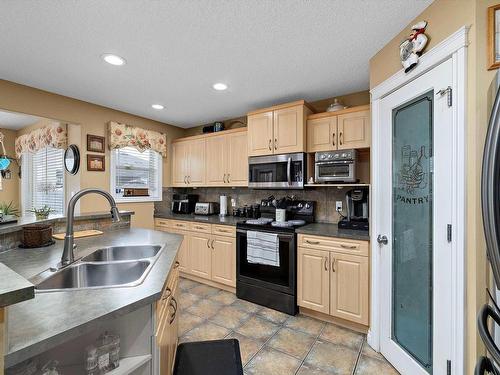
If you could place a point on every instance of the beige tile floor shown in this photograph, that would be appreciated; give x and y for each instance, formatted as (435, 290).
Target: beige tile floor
(273, 343)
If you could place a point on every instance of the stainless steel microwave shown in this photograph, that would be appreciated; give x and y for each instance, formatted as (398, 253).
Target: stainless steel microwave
(336, 166)
(286, 171)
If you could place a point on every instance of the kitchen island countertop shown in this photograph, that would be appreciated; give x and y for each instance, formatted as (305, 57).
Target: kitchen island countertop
(52, 318)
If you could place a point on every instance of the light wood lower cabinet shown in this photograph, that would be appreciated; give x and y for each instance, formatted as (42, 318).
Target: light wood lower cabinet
(208, 251)
(224, 260)
(349, 287)
(313, 279)
(200, 254)
(332, 282)
(167, 323)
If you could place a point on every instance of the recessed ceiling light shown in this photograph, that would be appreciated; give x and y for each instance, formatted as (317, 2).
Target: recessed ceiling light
(157, 106)
(219, 86)
(113, 59)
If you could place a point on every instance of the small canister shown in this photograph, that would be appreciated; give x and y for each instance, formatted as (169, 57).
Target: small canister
(280, 215)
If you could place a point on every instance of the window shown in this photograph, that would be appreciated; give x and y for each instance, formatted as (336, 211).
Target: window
(131, 168)
(42, 180)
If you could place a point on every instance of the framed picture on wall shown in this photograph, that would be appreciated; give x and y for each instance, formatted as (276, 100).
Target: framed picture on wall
(95, 143)
(96, 163)
(494, 37)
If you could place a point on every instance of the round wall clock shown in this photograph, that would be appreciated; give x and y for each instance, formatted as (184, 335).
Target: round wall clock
(72, 159)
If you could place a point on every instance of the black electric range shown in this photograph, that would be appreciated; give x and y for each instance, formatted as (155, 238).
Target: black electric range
(273, 286)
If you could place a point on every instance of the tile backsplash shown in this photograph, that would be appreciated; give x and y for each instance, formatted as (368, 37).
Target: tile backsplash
(324, 197)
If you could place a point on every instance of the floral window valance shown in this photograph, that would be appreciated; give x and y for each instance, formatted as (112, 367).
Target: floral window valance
(53, 135)
(122, 135)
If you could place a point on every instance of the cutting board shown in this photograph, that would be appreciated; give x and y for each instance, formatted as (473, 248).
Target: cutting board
(80, 234)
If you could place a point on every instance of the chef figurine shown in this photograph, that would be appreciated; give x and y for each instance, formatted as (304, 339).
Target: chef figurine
(411, 49)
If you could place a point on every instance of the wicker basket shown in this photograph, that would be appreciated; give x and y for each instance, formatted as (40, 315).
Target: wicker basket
(37, 235)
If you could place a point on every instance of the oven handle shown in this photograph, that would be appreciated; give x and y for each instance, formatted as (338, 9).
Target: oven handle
(334, 162)
(288, 236)
(289, 171)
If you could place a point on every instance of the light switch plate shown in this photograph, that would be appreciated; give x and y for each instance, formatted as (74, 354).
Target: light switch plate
(338, 206)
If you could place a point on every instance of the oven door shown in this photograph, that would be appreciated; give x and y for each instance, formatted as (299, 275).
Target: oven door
(277, 171)
(341, 171)
(282, 278)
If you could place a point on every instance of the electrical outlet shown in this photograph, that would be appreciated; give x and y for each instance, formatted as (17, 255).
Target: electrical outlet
(338, 206)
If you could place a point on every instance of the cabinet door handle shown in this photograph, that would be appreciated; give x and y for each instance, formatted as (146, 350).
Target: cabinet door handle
(270, 148)
(167, 294)
(173, 303)
(326, 264)
(176, 264)
(213, 244)
(313, 242)
(208, 243)
(185, 179)
(333, 139)
(275, 143)
(189, 179)
(228, 178)
(333, 265)
(340, 137)
(198, 227)
(348, 246)
(224, 178)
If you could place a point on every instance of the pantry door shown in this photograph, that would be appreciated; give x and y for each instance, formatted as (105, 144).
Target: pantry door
(415, 211)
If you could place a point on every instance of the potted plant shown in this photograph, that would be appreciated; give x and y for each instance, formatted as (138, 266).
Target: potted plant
(42, 213)
(8, 211)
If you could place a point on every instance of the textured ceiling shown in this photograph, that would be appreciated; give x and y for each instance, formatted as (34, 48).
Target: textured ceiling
(266, 51)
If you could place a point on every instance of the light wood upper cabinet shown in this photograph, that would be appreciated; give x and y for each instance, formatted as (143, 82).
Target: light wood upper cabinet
(217, 159)
(345, 129)
(179, 163)
(278, 130)
(224, 260)
(237, 159)
(322, 134)
(260, 134)
(289, 130)
(313, 279)
(212, 160)
(354, 130)
(196, 162)
(349, 287)
(200, 254)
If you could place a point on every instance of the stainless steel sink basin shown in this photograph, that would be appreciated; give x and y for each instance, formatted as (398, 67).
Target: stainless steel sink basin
(96, 275)
(119, 253)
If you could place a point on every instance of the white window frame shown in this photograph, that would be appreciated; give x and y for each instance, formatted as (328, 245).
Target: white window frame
(120, 199)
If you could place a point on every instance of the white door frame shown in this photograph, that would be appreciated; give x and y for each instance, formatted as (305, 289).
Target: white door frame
(454, 47)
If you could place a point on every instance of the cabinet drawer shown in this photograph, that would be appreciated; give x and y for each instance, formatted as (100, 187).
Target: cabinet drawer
(224, 230)
(163, 223)
(200, 228)
(334, 244)
(177, 224)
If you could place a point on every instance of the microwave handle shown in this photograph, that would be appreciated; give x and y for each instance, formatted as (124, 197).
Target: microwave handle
(289, 171)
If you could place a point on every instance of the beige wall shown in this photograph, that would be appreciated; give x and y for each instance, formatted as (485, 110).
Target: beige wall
(93, 119)
(350, 100)
(445, 17)
(10, 191)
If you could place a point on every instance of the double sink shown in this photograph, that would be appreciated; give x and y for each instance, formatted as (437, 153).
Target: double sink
(115, 266)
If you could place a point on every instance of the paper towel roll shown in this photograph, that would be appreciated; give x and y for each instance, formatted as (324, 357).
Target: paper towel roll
(223, 205)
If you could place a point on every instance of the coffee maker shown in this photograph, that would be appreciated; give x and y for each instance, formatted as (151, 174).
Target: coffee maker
(357, 204)
(184, 203)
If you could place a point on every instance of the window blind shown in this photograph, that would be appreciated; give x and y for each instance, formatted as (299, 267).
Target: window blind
(42, 180)
(134, 169)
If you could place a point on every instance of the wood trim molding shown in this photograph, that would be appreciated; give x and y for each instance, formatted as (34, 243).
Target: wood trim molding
(208, 135)
(202, 280)
(358, 108)
(430, 59)
(331, 319)
(282, 106)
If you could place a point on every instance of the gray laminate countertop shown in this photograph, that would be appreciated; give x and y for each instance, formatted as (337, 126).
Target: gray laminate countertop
(52, 318)
(332, 230)
(210, 219)
(13, 287)
(27, 220)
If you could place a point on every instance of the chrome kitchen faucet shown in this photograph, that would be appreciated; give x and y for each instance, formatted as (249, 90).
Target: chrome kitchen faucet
(68, 255)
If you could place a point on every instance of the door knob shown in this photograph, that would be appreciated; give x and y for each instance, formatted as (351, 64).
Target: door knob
(382, 240)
